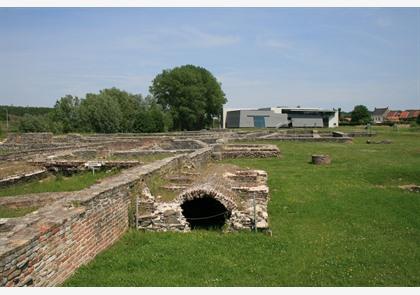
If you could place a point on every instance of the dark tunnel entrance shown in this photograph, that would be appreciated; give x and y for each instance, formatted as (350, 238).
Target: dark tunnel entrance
(205, 213)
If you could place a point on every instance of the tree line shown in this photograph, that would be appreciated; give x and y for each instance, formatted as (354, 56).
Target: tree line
(183, 98)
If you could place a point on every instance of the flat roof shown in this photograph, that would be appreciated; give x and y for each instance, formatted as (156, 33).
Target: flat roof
(294, 109)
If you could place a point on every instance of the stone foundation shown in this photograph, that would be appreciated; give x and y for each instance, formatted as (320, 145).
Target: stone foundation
(235, 189)
(14, 179)
(230, 151)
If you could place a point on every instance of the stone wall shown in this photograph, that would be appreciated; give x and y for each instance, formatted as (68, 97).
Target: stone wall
(45, 247)
(33, 175)
(29, 138)
(230, 151)
(32, 200)
(235, 190)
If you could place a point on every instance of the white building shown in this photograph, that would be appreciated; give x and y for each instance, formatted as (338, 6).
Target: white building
(277, 117)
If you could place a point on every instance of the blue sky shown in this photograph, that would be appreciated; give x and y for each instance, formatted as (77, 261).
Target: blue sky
(323, 57)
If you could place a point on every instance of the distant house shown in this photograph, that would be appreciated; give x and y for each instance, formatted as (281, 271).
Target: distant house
(393, 116)
(379, 115)
(404, 115)
(413, 114)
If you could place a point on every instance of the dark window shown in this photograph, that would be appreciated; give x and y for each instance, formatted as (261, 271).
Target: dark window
(259, 122)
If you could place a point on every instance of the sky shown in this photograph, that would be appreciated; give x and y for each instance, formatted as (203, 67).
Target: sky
(312, 57)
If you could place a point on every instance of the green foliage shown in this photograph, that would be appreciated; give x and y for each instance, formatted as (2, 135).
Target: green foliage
(66, 112)
(100, 113)
(151, 117)
(191, 94)
(111, 110)
(31, 123)
(360, 115)
(20, 111)
(346, 224)
(128, 104)
(418, 119)
(185, 98)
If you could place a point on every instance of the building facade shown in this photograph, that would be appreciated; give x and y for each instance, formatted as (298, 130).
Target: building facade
(379, 115)
(279, 117)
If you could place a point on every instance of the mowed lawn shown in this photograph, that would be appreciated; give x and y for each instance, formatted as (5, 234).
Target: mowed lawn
(347, 224)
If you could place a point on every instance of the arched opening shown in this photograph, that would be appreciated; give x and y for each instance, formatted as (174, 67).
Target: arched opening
(205, 213)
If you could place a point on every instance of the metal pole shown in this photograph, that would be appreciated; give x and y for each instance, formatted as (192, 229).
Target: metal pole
(7, 120)
(255, 213)
(137, 211)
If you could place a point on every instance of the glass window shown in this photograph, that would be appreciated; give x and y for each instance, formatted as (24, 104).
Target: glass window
(259, 121)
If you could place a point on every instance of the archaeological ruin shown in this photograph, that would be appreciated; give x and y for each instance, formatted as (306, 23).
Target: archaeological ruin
(161, 182)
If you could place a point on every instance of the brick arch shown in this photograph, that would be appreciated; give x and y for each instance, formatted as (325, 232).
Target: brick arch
(200, 192)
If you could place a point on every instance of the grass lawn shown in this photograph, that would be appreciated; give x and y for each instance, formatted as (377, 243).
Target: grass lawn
(10, 213)
(347, 224)
(56, 184)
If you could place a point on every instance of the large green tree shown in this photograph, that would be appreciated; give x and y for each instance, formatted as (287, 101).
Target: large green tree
(360, 115)
(191, 94)
(100, 113)
(128, 103)
(66, 113)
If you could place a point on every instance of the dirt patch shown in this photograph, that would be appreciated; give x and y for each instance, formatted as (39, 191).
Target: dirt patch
(410, 187)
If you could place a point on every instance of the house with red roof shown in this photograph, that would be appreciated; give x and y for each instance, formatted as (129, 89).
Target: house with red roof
(393, 116)
(404, 115)
(413, 114)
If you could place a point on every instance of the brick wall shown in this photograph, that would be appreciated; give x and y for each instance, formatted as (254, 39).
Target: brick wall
(46, 247)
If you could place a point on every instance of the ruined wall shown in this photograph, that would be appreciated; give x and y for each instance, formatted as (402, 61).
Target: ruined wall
(29, 138)
(45, 247)
(24, 177)
(234, 190)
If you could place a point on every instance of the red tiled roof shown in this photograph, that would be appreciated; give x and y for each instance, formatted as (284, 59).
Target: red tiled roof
(393, 114)
(404, 114)
(413, 113)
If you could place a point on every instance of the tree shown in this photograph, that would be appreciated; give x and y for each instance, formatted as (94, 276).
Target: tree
(129, 104)
(191, 94)
(66, 113)
(31, 123)
(360, 115)
(418, 119)
(100, 113)
(151, 117)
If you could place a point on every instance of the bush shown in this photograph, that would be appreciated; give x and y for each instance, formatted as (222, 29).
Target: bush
(31, 123)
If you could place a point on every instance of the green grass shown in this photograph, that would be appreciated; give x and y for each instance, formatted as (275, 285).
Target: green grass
(56, 184)
(156, 183)
(17, 212)
(347, 224)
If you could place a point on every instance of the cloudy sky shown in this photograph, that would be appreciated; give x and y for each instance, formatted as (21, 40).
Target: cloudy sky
(336, 57)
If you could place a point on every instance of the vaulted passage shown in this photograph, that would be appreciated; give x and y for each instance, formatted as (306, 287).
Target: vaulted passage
(205, 213)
